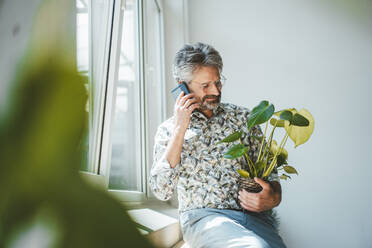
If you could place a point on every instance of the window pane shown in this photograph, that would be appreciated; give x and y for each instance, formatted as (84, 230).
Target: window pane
(92, 26)
(125, 172)
(82, 57)
(153, 78)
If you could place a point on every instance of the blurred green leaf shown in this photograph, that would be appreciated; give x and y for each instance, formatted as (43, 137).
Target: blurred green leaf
(236, 151)
(231, 138)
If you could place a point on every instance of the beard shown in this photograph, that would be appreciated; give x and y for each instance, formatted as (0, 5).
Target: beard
(210, 105)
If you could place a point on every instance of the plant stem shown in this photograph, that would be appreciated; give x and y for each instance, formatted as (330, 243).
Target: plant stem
(249, 162)
(269, 141)
(262, 142)
(273, 162)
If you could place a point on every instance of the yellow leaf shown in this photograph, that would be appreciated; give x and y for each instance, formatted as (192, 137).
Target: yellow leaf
(300, 135)
(243, 173)
(274, 148)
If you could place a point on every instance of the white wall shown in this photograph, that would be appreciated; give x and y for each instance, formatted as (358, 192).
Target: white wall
(175, 36)
(316, 55)
(15, 25)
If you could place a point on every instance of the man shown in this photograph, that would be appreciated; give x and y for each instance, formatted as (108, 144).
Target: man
(186, 156)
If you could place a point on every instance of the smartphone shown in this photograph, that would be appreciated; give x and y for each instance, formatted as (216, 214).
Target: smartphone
(177, 91)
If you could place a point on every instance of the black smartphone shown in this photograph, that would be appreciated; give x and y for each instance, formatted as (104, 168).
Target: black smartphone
(177, 91)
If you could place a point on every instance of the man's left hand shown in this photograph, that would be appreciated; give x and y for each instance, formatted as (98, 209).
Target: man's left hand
(264, 200)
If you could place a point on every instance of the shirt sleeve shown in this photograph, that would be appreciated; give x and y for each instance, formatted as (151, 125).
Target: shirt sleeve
(163, 179)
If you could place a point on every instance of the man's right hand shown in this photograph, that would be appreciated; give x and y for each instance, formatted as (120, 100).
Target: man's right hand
(182, 114)
(182, 111)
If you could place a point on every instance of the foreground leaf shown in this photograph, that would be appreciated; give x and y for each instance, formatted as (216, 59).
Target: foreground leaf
(231, 138)
(260, 114)
(236, 151)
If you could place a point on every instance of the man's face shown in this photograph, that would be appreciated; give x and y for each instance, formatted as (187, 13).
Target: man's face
(206, 86)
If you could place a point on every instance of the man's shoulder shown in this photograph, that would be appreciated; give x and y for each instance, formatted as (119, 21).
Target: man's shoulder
(237, 110)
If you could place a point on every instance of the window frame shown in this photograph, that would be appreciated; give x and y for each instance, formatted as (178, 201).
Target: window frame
(108, 104)
(96, 106)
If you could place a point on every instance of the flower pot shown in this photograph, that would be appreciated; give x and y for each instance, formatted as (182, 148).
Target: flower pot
(249, 185)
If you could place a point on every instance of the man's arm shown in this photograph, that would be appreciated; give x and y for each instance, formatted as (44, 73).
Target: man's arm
(268, 198)
(167, 150)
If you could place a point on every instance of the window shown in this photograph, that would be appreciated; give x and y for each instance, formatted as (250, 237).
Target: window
(125, 171)
(134, 99)
(93, 23)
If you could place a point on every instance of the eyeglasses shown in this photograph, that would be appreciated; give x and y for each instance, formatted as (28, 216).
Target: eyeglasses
(219, 83)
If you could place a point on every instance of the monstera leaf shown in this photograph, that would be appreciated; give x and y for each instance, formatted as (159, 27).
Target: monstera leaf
(276, 123)
(231, 138)
(300, 134)
(260, 114)
(236, 151)
(294, 118)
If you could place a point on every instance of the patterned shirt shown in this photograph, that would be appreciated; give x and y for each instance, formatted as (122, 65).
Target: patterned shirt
(203, 177)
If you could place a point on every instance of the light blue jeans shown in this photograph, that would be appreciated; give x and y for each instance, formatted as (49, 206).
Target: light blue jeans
(224, 228)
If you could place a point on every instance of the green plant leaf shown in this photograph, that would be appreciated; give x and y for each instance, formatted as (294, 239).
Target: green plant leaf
(284, 177)
(243, 173)
(281, 159)
(286, 115)
(299, 120)
(231, 138)
(256, 137)
(299, 135)
(259, 165)
(260, 114)
(276, 123)
(274, 148)
(289, 169)
(236, 151)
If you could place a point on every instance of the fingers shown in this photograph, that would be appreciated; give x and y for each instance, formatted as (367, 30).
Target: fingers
(264, 185)
(185, 98)
(249, 201)
(189, 102)
(249, 207)
(179, 97)
(193, 107)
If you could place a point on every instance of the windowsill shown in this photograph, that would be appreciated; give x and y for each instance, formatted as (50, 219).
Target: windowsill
(158, 221)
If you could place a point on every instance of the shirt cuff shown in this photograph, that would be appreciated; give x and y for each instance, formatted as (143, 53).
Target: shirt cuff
(162, 167)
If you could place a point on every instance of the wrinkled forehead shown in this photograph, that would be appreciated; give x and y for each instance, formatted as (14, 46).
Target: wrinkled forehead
(205, 74)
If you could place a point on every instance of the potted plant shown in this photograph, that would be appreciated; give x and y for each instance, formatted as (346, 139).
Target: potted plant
(272, 156)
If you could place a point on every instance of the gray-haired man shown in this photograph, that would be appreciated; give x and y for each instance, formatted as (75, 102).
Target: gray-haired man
(186, 156)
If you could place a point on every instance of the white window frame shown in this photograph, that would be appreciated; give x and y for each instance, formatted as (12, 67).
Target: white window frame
(110, 97)
(95, 175)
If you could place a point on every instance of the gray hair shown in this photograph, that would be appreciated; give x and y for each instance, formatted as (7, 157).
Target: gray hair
(193, 56)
